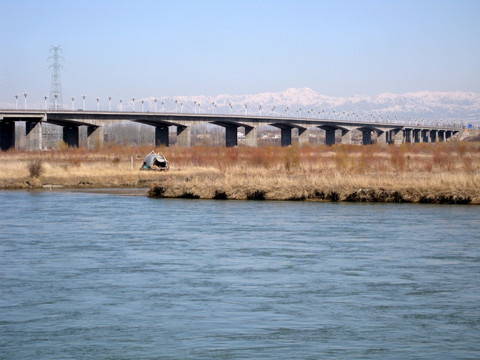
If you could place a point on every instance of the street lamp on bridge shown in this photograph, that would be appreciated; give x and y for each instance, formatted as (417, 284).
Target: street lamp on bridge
(16, 101)
(109, 103)
(25, 94)
(45, 106)
(121, 104)
(142, 104)
(73, 102)
(98, 99)
(133, 102)
(84, 97)
(155, 99)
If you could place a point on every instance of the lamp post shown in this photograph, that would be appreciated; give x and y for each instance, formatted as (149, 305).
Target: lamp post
(155, 99)
(45, 97)
(195, 106)
(109, 103)
(260, 110)
(176, 106)
(25, 94)
(133, 103)
(214, 106)
(121, 105)
(230, 104)
(55, 103)
(73, 102)
(98, 100)
(163, 102)
(84, 97)
(16, 101)
(246, 109)
(273, 110)
(286, 111)
(181, 108)
(142, 104)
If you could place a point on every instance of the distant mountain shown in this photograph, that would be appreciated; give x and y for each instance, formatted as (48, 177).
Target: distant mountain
(423, 106)
(419, 106)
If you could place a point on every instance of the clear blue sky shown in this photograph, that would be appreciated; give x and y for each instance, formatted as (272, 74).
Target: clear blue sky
(165, 48)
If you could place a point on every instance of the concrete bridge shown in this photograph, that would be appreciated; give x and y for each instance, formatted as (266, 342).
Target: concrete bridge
(94, 121)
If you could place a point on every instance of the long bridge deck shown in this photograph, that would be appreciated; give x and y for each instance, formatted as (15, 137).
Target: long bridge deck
(95, 121)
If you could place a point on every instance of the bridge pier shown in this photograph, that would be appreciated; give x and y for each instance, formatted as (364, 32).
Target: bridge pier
(7, 135)
(286, 136)
(433, 136)
(425, 136)
(71, 135)
(231, 136)
(448, 134)
(417, 135)
(94, 136)
(251, 136)
(184, 136)
(381, 137)
(398, 136)
(330, 137)
(366, 137)
(441, 135)
(161, 136)
(407, 135)
(33, 135)
(303, 136)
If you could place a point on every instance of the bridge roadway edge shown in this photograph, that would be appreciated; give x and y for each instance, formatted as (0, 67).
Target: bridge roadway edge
(96, 120)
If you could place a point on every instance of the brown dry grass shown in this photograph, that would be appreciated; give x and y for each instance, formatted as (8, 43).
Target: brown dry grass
(443, 172)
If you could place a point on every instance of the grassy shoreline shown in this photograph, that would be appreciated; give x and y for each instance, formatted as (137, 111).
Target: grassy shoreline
(419, 173)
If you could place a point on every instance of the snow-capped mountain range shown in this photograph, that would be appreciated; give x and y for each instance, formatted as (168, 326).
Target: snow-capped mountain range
(421, 106)
(305, 102)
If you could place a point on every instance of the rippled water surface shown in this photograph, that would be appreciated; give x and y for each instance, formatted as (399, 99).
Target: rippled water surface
(115, 277)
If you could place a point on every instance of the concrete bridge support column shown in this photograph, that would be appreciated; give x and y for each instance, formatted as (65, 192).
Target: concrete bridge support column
(184, 136)
(303, 136)
(94, 136)
(408, 135)
(161, 136)
(251, 136)
(381, 137)
(33, 135)
(7, 135)
(231, 138)
(366, 137)
(448, 135)
(71, 135)
(286, 137)
(346, 136)
(330, 137)
(398, 137)
(417, 135)
(425, 136)
(433, 136)
(441, 135)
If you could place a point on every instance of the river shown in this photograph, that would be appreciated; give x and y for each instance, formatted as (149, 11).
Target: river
(104, 276)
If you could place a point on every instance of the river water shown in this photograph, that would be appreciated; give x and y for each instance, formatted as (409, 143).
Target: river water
(102, 276)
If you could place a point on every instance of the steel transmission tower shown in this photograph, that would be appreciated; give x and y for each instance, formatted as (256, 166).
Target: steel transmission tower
(56, 85)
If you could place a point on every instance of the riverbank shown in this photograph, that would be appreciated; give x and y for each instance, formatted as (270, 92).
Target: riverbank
(424, 173)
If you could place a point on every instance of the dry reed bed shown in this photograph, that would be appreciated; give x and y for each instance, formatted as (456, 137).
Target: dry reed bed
(436, 173)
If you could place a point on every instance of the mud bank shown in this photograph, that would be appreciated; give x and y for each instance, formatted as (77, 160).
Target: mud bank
(304, 189)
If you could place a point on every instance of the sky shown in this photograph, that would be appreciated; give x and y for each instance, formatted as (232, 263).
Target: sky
(159, 48)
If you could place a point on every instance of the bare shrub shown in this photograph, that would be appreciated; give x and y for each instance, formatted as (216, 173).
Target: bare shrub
(35, 168)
